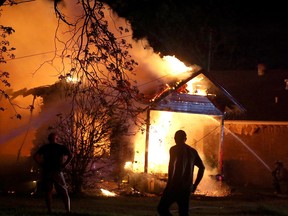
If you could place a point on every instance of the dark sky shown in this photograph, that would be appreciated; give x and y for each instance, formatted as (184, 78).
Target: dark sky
(236, 34)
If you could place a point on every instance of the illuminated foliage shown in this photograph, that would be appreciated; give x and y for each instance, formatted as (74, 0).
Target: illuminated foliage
(86, 130)
(6, 52)
(101, 92)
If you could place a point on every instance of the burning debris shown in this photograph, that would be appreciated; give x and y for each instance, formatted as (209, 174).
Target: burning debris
(145, 185)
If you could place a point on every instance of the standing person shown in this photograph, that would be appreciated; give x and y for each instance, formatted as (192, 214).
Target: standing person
(53, 158)
(280, 178)
(183, 159)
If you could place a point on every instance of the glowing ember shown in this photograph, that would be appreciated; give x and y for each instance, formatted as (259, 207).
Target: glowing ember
(107, 193)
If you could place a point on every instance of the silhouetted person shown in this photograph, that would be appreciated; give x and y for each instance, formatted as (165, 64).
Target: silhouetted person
(183, 159)
(280, 178)
(53, 158)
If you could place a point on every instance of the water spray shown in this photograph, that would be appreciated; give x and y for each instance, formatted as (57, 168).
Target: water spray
(250, 150)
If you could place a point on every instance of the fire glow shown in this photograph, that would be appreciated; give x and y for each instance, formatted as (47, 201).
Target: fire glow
(175, 65)
(164, 124)
(108, 193)
(203, 134)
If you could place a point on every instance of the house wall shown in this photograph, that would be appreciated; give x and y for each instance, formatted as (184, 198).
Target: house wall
(202, 134)
(250, 150)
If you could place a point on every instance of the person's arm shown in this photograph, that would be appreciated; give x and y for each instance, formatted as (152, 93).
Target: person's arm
(37, 158)
(68, 160)
(170, 169)
(171, 164)
(199, 177)
(200, 173)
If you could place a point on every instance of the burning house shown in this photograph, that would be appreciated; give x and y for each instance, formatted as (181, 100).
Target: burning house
(196, 104)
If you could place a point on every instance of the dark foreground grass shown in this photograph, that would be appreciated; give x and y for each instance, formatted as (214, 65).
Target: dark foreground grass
(244, 205)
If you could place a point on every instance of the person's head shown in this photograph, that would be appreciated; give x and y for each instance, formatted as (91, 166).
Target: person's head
(52, 137)
(180, 137)
(279, 164)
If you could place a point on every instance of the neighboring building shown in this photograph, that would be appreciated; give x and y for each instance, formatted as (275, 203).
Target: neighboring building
(253, 142)
(264, 96)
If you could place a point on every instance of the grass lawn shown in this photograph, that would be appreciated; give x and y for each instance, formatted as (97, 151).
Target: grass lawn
(234, 205)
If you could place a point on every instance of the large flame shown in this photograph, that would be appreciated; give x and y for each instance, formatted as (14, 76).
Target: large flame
(161, 137)
(203, 134)
(195, 86)
(158, 156)
(164, 124)
(175, 65)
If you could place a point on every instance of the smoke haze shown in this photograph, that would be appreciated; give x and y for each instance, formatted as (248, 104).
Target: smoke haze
(35, 24)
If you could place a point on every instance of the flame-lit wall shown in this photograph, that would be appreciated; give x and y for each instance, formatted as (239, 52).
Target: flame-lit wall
(250, 150)
(203, 133)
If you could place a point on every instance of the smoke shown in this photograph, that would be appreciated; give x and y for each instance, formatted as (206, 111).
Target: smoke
(34, 122)
(152, 69)
(35, 24)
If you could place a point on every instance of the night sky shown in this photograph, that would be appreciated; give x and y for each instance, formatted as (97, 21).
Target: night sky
(235, 34)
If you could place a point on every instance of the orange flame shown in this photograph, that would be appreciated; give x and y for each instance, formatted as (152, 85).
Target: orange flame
(175, 65)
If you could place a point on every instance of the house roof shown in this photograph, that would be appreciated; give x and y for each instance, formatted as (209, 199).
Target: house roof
(264, 97)
(199, 94)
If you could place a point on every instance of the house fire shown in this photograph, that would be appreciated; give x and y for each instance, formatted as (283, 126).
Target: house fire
(195, 104)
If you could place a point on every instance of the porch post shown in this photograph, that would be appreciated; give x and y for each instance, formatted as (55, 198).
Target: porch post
(220, 162)
(147, 141)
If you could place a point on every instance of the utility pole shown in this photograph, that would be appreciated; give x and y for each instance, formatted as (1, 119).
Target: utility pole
(209, 51)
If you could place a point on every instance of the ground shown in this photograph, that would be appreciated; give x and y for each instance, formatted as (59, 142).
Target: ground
(238, 203)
